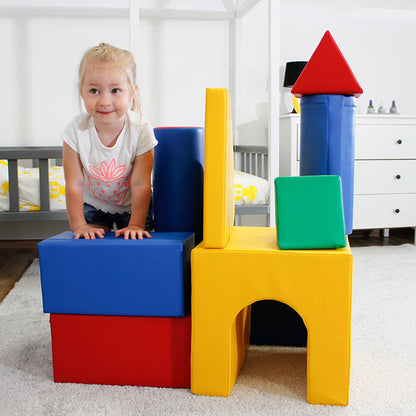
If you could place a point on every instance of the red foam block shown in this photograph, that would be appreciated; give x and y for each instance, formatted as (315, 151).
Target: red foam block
(327, 72)
(121, 350)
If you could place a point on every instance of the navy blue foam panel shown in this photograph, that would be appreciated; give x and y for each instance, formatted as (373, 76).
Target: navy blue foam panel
(275, 323)
(178, 179)
(114, 276)
(327, 140)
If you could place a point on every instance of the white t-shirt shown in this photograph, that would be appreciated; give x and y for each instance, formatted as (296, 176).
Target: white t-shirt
(107, 169)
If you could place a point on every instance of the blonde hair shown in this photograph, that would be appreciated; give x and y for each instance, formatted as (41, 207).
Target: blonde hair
(122, 58)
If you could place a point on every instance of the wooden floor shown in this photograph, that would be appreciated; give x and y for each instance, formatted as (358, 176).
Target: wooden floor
(16, 256)
(365, 238)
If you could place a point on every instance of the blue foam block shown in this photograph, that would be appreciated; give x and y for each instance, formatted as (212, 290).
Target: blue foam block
(178, 179)
(114, 276)
(327, 141)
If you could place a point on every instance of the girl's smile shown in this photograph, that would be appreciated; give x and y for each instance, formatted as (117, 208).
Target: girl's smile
(105, 112)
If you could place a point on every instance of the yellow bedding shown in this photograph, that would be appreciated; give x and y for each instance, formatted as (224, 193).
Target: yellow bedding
(29, 199)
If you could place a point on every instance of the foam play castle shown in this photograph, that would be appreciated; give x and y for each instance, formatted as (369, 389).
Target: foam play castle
(175, 310)
(161, 312)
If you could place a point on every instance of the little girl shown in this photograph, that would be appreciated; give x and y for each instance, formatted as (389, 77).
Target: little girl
(108, 151)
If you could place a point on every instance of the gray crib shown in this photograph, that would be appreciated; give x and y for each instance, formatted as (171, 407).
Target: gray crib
(249, 159)
(39, 157)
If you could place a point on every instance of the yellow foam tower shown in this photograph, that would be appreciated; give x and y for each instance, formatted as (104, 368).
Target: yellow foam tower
(234, 267)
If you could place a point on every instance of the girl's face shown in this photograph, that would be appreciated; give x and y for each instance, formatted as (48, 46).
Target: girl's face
(106, 94)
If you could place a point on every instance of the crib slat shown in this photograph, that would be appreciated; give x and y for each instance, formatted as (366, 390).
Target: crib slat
(246, 166)
(259, 165)
(266, 168)
(44, 184)
(13, 186)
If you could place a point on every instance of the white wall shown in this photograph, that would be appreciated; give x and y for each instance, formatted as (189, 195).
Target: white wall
(376, 42)
(180, 58)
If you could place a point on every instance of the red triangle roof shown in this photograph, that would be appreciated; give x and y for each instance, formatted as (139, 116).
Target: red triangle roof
(327, 72)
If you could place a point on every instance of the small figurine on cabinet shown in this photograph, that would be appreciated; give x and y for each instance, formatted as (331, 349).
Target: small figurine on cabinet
(370, 108)
(381, 109)
(393, 108)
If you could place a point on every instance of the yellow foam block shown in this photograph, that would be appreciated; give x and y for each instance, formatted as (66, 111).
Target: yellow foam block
(225, 282)
(219, 170)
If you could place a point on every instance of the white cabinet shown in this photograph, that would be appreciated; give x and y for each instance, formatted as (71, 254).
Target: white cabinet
(385, 168)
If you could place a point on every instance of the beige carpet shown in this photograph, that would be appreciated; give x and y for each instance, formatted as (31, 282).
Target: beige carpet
(273, 380)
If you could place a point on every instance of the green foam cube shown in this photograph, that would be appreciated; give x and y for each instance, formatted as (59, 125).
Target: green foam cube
(309, 212)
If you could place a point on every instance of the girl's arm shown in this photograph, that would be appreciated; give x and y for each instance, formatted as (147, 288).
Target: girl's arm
(74, 192)
(140, 184)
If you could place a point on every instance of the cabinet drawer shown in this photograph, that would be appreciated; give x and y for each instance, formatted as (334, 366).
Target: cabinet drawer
(384, 211)
(385, 141)
(385, 176)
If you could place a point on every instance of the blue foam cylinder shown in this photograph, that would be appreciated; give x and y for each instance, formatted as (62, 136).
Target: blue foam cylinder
(327, 142)
(114, 276)
(178, 178)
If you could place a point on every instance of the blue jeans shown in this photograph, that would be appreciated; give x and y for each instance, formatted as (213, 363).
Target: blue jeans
(96, 216)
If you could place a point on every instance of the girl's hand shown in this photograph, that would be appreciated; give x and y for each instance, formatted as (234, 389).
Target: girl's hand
(88, 232)
(134, 232)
